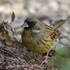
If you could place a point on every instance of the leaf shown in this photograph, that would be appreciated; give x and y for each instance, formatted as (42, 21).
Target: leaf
(30, 57)
(61, 63)
(7, 37)
(9, 31)
(62, 58)
(62, 51)
(12, 16)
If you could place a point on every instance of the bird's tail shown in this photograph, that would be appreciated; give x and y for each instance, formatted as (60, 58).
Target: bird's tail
(58, 23)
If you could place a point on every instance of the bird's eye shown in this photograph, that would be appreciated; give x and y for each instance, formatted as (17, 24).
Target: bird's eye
(33, 22)
(38, 29)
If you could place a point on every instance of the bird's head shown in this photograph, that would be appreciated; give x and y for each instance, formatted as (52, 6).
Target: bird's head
(33, 24)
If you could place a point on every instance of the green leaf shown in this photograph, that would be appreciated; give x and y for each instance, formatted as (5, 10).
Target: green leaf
(62, 63)
(62, 50)
(62, 58)
(7, 37)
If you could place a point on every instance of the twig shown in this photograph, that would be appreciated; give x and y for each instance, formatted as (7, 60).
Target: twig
(17, 66)
(12, 54)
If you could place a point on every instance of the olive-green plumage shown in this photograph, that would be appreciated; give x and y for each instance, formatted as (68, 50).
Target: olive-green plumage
(38, 37)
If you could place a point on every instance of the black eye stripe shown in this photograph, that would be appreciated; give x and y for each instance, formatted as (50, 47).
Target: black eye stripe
(33, 22)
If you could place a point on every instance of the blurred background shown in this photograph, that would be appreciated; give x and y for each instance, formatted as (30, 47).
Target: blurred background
(47, 11)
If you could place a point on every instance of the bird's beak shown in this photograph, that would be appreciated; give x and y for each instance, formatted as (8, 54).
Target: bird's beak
(25, 25)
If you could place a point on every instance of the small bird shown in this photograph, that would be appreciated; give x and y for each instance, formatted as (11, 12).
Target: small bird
(38, 37)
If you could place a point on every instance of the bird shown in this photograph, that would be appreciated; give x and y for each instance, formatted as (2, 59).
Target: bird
(39, 37)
